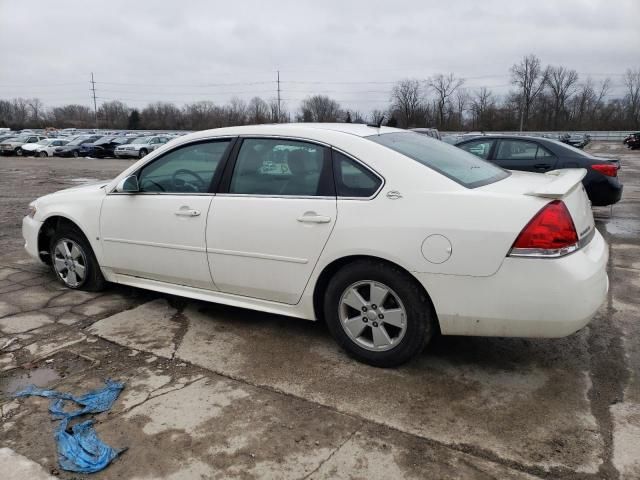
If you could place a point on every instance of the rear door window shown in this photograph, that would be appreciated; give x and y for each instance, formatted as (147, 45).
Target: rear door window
(353, 179)
(516, 150)
(281, 167)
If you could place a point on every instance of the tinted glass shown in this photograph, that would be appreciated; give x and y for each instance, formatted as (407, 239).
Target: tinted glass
(187, 169)
(280, 167)
(516, 150)
(452, 162)
(480, 148)
(353, 179)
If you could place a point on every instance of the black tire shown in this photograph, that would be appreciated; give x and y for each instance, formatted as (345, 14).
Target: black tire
(75, 154)
(93, 280)
(19, 152)
(142, 153)
(43, 154)
(420, 315)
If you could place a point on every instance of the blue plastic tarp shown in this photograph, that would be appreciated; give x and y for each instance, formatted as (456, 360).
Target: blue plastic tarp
(80, 450)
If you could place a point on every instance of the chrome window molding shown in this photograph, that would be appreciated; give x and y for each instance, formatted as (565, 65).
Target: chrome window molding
(163, 153)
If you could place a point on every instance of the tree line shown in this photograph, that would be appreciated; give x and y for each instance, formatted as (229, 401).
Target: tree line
(542, 98)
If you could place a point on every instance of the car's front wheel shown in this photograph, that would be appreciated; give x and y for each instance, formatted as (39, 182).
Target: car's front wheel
(43, 154)
(19, 152)
(73, 261)
(378, 313)
(75, 154)
(142, 153)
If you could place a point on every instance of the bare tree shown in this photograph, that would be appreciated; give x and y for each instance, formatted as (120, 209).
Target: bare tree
(37, 109)
(481, 108)
(377, 116)
(462, 99)
(320, 108)
(258, 111)
(114, 114)
(632, 83)
(562, 83)
(444, 86)
(407, 102)
(531, 79)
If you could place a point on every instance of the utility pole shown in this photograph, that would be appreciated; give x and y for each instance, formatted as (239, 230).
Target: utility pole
(95, 105)
(278, 120)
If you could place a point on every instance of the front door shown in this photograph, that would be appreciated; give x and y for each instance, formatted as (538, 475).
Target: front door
(267, 230)
(159, 232)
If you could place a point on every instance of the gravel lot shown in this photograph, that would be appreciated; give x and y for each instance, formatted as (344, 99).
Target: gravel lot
(220, 392)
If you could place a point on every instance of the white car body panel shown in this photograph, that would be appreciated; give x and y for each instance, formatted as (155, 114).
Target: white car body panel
(155, 241)
(252, 258)
(239, 251)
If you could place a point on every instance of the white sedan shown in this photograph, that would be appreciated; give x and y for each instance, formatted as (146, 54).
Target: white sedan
(387, 235)
(43, 148)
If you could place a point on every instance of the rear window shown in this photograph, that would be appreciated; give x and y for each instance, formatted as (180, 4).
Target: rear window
(452, 162)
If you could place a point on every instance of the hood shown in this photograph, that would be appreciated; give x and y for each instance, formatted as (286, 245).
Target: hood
(93, 186)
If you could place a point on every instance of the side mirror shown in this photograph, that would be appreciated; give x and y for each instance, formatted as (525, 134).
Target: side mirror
(128, 185)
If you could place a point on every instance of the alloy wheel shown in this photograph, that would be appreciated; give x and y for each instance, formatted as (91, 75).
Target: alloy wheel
(69, 262)
(372, 315)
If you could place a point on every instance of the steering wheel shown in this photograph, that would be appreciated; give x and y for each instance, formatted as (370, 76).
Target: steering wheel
(198, 186)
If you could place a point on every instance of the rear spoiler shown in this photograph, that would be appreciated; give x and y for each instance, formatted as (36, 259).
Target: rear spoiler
(564, 182)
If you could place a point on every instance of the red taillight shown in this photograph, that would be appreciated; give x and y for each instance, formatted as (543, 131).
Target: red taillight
(608, 170)
(550, 233)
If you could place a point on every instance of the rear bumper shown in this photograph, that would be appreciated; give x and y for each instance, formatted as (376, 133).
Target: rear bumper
(605, 191)
(527, 297)
(30, 231)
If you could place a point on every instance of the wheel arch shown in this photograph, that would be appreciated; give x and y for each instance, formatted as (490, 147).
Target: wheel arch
(49, 226)
(332, 268)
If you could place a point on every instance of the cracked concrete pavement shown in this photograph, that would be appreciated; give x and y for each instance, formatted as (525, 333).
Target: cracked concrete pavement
(220, 392)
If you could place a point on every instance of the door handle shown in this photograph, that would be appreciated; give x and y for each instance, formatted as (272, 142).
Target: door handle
(187, 213)
(312, 217)
(542, 166)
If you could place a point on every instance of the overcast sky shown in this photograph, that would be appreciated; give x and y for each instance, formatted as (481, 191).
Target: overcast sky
(180, 51)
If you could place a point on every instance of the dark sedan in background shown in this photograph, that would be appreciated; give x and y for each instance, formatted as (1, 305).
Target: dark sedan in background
(535, 154)
(72, 149)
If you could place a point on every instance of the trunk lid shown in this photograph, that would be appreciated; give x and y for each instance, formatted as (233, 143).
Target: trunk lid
(565, 185)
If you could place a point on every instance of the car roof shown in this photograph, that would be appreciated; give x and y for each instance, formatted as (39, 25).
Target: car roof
(298, 129)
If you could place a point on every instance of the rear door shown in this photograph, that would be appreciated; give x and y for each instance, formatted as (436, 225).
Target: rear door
(271, 219)
(527, 155)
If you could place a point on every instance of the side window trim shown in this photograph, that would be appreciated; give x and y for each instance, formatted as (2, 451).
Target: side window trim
(224, 185)
(363, 165)
(216, 176)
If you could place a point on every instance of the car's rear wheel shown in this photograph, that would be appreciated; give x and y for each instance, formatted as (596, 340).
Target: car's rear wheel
(378, 313)
(73, 261)
(142, 153)
(43, 154)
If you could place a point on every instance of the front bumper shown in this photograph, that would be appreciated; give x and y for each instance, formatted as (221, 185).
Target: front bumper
(30, 231)
(526, 297)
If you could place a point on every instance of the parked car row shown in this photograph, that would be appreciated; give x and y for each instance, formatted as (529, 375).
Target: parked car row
(84, 145)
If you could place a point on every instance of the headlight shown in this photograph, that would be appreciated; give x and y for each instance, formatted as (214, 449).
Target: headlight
(31, 210)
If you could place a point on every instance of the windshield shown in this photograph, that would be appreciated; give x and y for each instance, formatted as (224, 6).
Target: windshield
(130, 140)
(43, 142)
(21, 138)
(452, 162)
(143, 140)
